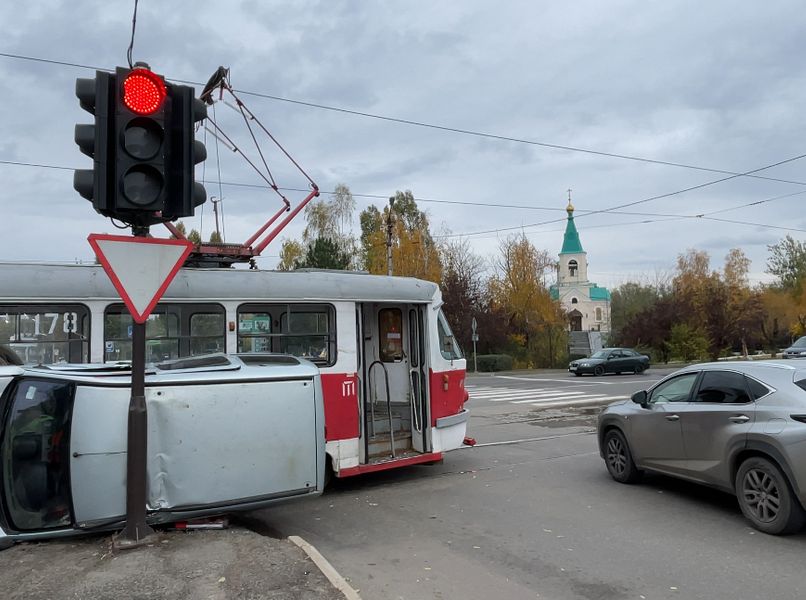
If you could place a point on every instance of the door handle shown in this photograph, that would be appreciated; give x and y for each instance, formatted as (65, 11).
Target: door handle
(739, 418)
(672, 417)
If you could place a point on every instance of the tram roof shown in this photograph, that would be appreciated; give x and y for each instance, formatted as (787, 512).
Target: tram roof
(27, 282)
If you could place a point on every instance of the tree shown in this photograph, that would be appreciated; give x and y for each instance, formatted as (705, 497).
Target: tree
(329, 217)
(291, 252)
(194, 237)
(180, 227)
(462, 288)
(687, 343)
(215, 238)
(536, 323)
(414, 253)
(627, 301)
(652, 326)
(324, 253)
(787, 262)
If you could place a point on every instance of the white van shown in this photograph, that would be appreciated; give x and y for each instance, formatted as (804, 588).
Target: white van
(225, 433)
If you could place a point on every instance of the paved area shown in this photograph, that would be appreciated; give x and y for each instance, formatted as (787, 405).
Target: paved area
(223, 565)
(531, 512)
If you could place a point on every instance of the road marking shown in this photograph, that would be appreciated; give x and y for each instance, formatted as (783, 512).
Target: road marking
(554, 396)
(501, 396)
(578, 402)
(616, 380)
(545, 398)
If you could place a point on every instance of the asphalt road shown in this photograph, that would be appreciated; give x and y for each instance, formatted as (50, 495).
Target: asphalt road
(530, 512)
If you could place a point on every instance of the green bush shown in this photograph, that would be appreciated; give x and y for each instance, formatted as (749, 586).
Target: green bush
(494, 362)
(687, 343)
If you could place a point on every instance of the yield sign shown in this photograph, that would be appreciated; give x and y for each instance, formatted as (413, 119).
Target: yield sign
(140, 268)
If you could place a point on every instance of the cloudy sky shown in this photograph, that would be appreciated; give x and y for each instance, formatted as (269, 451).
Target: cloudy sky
(717, 88)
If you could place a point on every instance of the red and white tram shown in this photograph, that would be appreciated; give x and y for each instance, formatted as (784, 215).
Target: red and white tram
(392, 372)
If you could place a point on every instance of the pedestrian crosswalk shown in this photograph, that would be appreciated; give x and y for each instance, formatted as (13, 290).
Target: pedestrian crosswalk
(544, 398)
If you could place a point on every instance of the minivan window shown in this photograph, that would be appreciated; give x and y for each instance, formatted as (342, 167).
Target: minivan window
(36, 455)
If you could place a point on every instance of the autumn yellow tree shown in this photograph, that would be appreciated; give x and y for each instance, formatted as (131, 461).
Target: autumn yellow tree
(291, 252)
(518, 288)
(720, 306)
(414, 252)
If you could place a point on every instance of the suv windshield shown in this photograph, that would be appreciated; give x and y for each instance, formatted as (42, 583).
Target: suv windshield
(36, 454)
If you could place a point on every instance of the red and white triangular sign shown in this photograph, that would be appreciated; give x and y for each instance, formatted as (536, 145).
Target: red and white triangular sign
(140, 268)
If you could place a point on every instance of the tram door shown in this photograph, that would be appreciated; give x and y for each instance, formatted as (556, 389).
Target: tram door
(395, 395)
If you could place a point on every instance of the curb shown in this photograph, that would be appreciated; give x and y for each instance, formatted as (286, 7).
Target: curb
(327, 569)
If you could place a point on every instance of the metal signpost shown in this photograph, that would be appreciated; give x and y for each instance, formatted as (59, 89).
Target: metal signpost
(475, 338)
(140, 269)
(144, 150)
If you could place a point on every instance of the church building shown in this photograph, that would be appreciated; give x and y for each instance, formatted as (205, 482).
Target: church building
(586, 304)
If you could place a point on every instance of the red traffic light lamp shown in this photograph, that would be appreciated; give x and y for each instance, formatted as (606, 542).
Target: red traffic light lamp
(143, 91)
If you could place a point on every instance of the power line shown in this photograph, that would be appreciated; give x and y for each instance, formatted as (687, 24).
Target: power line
(614, 208)
(663, 216)
(434, 126)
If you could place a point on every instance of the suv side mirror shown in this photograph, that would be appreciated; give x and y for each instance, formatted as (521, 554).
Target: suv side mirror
(640, 397)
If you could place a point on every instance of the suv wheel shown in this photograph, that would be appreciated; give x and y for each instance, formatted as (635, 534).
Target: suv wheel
(619, 458)
(766, 499)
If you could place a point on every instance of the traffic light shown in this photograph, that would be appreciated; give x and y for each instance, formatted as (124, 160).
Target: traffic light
(94, 140)
(143, 145)
(184, 193)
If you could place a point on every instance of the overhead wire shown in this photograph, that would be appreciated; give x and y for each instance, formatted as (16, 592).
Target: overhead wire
(131, 44)
(434, 126)
(613, 209)
(628, 204)
(661, 216)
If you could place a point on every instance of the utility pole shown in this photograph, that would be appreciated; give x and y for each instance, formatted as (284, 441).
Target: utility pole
(389, 226)
(215, 202)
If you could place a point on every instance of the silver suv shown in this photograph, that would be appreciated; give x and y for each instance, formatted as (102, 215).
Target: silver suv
(740, 427)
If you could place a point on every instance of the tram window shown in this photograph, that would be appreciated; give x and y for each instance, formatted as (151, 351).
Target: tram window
(46, 333)
(303, 330)
(206, 333)
(448, 345)
(390, 326)
(172, 331)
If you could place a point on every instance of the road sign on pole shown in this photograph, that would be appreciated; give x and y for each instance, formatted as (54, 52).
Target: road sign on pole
(141, 269)
(474, 338)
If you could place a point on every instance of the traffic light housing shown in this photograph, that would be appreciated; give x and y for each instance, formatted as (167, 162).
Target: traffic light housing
(96, 97)
(143, 147)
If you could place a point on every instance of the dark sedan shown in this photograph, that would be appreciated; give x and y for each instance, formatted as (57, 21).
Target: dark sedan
(796, 350)
(610, 360)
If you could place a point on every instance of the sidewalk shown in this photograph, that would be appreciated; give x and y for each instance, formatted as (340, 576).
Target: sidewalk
(224, 564)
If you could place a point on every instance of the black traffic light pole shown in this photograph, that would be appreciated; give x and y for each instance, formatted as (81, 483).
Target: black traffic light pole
(137, 444)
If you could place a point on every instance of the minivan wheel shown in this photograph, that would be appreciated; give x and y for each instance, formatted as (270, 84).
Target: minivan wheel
(598, 370)
(766, 498)
(618, 458)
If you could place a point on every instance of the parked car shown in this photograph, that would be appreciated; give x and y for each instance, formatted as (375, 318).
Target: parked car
(224, 434)
(739, 427)
(610, 360)
(796, 350)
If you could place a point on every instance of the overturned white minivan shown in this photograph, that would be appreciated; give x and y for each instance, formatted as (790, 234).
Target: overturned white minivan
(225, 433)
